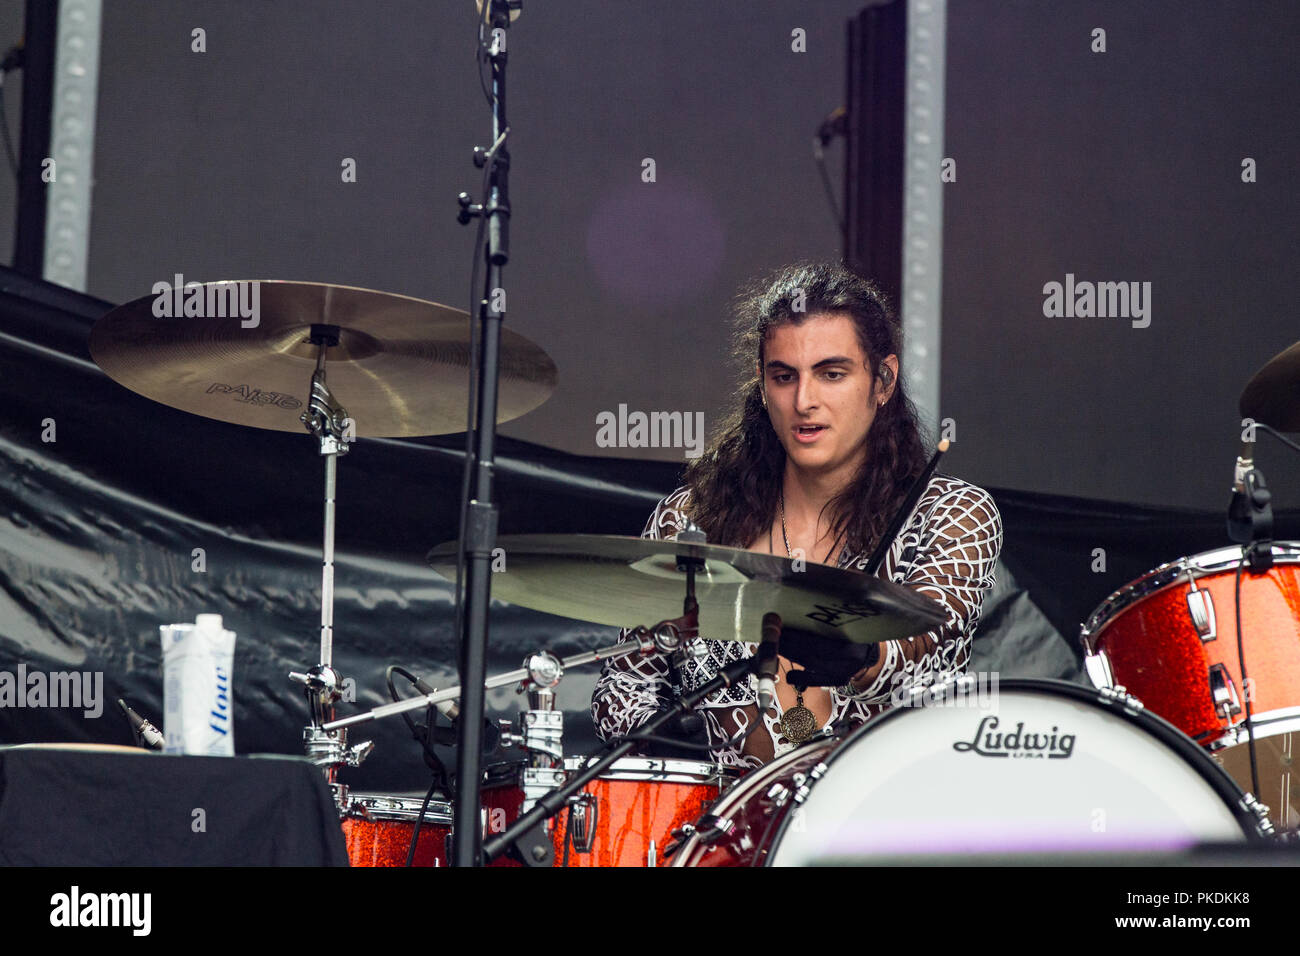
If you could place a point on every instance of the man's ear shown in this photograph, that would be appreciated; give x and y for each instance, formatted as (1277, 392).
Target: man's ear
(888, 377)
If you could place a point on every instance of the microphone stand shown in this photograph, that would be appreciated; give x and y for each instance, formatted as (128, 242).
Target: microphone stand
(479, 533)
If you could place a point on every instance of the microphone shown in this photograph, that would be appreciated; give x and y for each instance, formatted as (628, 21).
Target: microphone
(767, 660)
(1245, 462)
(448, 709)
(144, 731)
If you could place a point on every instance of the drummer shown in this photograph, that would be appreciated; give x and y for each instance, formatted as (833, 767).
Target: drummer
(812, 462)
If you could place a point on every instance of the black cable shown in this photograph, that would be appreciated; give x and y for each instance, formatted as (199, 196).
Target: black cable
(481, 51)
(1278, 435)
(441, 779)
(1245, 681)
(432, 760)
(392, 692)
(419, 821)
(819, 155)
(1241, 654)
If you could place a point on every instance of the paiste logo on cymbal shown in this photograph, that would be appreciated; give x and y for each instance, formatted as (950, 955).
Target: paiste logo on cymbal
(254, 396)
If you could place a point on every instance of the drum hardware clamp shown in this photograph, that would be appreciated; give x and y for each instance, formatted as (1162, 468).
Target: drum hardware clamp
(803, 783)
(1251, 804)
(708, 829)
(1120, 695)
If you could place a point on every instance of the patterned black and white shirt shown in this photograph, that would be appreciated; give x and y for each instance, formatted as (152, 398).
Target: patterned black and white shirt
(947, 551)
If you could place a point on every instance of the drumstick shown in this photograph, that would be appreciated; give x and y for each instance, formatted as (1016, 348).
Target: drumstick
(913, 495)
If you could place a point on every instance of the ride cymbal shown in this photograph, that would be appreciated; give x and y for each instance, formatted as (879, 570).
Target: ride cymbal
(400, 368)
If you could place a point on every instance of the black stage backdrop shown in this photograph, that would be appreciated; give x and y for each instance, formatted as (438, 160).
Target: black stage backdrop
(105, 497)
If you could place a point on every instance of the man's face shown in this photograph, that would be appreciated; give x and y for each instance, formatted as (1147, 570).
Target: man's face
(821, 397)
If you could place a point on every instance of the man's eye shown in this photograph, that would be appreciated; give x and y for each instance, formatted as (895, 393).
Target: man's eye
(782, 377)
(834, 374)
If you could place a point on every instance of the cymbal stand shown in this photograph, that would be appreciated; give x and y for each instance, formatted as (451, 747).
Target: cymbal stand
(329, 422)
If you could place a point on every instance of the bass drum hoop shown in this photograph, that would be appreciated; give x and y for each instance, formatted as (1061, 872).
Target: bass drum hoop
(1165, 732)
(742, 789)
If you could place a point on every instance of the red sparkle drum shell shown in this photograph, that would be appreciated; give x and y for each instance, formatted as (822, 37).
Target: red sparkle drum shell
(1040, 768)
(628, 816)
(1170, 639)
(637, 804)
(378, 827)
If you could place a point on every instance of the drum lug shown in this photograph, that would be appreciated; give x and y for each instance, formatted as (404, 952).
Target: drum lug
(1120, 695)
(1262, 821)
(1226, 702)
(802, 787)
(582, 822)
(1097, 666)
(1200, 605)
(779, 793)
(650, 858)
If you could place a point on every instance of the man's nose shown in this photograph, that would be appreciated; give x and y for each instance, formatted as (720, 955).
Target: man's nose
(805, 396)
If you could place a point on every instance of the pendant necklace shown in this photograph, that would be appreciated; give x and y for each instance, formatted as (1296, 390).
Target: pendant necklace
(798, 723)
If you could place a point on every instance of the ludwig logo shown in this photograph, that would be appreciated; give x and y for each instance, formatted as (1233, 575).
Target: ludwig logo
(254, 396)
(1017, 743)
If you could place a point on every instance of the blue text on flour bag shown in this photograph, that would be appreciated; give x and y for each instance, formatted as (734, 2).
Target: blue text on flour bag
(198, 706)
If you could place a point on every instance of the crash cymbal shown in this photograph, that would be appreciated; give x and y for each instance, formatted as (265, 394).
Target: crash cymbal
(400, 369)
(623, 582)
(1272, 396)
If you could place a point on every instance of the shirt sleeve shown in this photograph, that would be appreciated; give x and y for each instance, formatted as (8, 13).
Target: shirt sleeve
(956, 551)
(632, 689)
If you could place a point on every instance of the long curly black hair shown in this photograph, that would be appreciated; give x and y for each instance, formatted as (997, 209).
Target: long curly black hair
(735, 485)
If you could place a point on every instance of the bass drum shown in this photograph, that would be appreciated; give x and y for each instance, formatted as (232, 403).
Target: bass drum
(1028, 767)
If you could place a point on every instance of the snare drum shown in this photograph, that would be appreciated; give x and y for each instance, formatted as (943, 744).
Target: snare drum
(626, 815)
(1045, 768)
(1170, 639)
